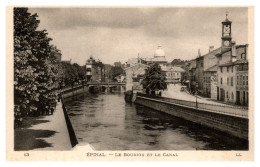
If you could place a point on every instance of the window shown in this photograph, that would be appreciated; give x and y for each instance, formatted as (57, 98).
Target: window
(227, 69)
(243, 56)
(241, 80)
(231, 81)
(201, 64)
(227, 80)
(232, 69)
(237, 80)
(221, 81)
(245, 67)
(227, 94)
(246, 80)
(232, 96)
(221, 70)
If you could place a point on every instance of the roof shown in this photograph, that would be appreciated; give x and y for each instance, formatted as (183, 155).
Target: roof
(137, 64)
(224, 50)
(227, 64)
(212, 69)
(215, 51)
(174, 68)
(226, 21)
(241, 61)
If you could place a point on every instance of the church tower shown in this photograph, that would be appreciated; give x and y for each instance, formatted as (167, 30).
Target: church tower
(226, 33)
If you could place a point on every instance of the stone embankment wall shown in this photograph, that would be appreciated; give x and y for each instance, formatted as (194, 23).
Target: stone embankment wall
(74, 91)
(233, 125)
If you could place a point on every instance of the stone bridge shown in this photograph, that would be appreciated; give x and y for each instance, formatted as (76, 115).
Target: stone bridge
(106, 86)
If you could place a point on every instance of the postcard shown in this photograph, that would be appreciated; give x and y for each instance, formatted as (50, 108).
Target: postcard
(130, 83)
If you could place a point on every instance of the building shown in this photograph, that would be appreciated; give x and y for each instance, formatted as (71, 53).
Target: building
(159, 57)
(232, 72)
(134, 77)
(120, 78)
(95, 70)
(204, 63)
(117, 64)
(233, 75)
(107, 75)
(173, 74)
(210, 82)
(66, 61)
(134, 61)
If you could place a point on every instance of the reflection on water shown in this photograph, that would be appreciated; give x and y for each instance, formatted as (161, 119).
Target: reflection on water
(108, 123)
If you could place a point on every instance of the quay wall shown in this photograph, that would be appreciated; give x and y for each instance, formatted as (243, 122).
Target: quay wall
(70, 92)
(232, 125)
(72, 135)
(74, 91)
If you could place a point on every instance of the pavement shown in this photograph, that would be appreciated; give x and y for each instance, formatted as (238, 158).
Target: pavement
(56, 122)
(173, 91)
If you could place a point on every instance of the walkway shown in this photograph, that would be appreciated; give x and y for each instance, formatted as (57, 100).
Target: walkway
(56, 122)
(173, 91)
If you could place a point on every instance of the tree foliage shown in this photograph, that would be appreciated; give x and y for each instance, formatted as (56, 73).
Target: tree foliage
(36, 71)
(72, 72)
(154, 78)
(115, 71)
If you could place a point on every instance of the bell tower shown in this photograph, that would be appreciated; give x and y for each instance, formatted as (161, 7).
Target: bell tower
(226, 32)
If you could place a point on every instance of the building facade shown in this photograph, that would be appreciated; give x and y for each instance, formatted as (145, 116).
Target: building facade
(95, 71)
(210, 82)
(232, 73)
(173, 74)
(134, 77)
(203, 64)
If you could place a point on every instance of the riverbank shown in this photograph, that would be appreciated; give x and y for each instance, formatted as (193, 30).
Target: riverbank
(48, 132)
(231, 120)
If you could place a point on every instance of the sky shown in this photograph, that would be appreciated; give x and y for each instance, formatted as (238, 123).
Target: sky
(117, 34)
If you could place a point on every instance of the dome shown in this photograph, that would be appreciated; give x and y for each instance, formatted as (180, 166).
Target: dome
(159, 52)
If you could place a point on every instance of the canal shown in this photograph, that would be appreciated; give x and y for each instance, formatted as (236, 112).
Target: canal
(107, 122)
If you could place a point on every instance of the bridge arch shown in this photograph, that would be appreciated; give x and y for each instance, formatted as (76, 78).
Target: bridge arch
(93, 89)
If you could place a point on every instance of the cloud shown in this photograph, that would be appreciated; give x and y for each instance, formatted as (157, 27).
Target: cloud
(116, 34)
(95, 17)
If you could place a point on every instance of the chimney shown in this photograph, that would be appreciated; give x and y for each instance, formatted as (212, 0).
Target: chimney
(233, 51)
(199, 54)
(211, 48)
(246, 52)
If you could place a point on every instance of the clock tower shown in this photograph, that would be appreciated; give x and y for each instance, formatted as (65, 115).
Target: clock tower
(226, 33)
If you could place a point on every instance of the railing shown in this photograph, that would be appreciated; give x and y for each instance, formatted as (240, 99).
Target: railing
(105, 83)
(221, 109)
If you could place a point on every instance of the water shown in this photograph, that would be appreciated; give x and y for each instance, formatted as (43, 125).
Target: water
(107, 122)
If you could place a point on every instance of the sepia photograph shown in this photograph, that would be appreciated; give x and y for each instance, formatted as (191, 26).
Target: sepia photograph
(131, 82)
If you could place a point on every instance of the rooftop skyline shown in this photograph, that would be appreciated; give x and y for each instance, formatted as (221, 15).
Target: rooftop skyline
(117, 34)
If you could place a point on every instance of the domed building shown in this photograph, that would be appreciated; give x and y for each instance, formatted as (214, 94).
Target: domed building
(159, 52)
(159, 57)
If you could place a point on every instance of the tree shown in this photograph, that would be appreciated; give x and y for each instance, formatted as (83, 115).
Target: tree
(177, 62)
(115, 71)
(80, 72)
(36, 73)
(154, 79)
(72, 72)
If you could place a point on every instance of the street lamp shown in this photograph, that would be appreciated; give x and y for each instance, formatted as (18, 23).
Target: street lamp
(196, 93)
